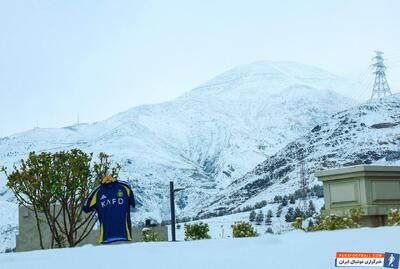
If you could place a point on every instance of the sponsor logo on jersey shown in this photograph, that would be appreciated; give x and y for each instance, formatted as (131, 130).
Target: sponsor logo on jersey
(113, 201)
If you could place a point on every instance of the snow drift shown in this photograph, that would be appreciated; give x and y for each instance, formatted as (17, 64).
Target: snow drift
(291, 250)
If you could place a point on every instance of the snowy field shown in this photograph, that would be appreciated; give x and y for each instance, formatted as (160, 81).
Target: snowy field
(289, 250)
(220, 227)
(8, 225)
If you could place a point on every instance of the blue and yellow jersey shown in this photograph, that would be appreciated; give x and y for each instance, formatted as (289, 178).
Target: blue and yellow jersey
(112, 201)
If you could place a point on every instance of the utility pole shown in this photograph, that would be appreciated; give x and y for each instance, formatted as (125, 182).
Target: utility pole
(172, 205)
(381, 87)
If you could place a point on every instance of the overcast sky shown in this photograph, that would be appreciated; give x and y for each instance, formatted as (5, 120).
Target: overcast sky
(97, 58)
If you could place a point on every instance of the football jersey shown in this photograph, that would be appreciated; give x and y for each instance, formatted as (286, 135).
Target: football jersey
(112, 201)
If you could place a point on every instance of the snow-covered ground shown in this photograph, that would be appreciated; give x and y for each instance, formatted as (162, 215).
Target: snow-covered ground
(8, 225)
(289, 250)
(220, 227)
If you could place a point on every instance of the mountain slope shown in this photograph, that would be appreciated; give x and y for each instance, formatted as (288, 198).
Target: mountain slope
(202, 140)
(366, 134)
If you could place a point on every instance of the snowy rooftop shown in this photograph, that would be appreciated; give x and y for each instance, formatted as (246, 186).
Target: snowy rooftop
(357, 168)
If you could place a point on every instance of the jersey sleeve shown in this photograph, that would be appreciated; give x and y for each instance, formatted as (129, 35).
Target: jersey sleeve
(90, 202)
(131, 196)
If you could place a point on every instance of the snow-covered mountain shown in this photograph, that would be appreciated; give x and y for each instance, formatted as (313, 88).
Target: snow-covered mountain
(204, 139)
(366, 134)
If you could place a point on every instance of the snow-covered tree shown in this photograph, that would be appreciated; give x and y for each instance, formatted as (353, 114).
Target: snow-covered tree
(290, 217)
(298, 213)
(259, 217)
(252, 216)
(311, 209)
(279, 211)
(269, 213)
(268, 220)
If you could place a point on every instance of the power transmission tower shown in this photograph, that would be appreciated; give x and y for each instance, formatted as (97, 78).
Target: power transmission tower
(304, 187)
(381, 87)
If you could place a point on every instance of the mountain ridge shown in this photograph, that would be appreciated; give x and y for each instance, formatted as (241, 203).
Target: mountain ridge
(365, 134)
(197, 140)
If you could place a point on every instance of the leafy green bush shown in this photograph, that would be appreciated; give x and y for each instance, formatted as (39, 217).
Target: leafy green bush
(149, 235)
(298, 223)
(243, 229)
(333, 222)
(57, 185)
(197, 231)
(394, 217)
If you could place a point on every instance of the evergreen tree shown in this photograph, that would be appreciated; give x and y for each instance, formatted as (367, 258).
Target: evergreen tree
(289, 217)
(259, 217)
(317, 190)
(269, 213)
(277, 199)
(284, 201)
(260, 204)
(298, 213)
(268, 219)
(279, 211)
(292, 200)
(311, 209)
(269, 230)
(252, 216)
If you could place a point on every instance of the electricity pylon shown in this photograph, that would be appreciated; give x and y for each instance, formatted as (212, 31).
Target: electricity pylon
(304, 186)
(381, 87)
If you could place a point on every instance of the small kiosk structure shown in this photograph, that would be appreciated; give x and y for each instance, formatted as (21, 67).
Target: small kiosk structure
(374, 189)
